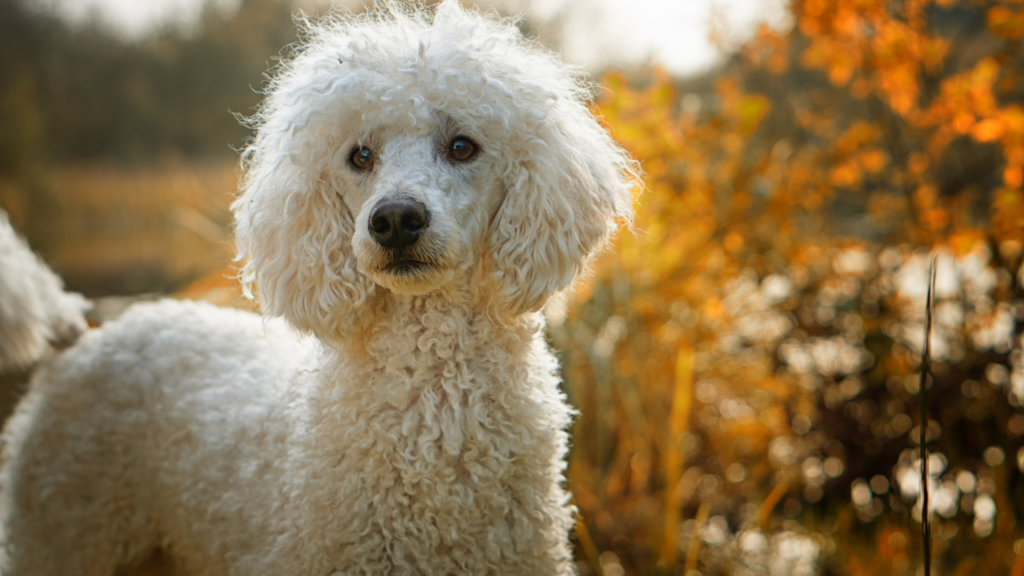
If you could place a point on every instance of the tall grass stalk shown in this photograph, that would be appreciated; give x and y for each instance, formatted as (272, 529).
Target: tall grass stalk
(675, 460)
(923, 438)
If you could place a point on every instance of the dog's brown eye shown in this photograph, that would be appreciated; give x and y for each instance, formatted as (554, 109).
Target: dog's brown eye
(362, 158)
(461, 149)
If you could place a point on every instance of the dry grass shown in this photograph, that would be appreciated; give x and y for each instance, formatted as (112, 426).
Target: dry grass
(112, 231)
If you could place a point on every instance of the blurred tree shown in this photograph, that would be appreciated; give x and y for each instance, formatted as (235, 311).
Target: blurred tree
(72, 93)
(22, 140)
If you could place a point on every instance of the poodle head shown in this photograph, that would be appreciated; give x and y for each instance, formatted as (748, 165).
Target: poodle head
(404, 153)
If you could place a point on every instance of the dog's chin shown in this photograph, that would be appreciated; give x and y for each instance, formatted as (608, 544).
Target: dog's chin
(411, 277)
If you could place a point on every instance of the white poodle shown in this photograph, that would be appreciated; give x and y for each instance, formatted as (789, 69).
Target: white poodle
(420, 185)
(35, 311)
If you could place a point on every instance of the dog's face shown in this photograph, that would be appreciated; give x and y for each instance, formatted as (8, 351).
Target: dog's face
(422, 197)
(393, 154)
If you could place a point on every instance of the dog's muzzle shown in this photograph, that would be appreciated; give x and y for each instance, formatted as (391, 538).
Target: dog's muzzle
(396, 223)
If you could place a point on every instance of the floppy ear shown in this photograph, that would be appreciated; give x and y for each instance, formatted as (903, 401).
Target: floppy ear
(566, 195)
(294, 236)
(293, 229)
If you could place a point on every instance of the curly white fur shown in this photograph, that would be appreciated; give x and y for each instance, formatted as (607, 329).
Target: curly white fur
(417, 427)
(35, 311)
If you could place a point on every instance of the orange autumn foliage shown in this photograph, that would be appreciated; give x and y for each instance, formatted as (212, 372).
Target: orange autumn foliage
(767, 292)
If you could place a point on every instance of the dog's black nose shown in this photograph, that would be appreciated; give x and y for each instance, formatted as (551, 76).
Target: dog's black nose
(396, 223)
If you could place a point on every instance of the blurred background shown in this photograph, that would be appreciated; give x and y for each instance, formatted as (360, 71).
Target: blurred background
(746, 362)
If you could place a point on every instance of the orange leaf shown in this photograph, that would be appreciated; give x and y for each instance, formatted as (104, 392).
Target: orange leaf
(874, 160)
(1005, 22)
(751, 109)
(988, 130)
(846, 175)
(1013, 176)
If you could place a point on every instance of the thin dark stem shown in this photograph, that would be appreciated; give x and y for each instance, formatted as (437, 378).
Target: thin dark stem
(926, 531)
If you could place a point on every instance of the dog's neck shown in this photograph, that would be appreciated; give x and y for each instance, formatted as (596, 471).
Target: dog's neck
(439, 391)
(434, 341)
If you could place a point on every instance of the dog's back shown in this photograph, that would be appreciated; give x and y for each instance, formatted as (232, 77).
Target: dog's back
(140, 434)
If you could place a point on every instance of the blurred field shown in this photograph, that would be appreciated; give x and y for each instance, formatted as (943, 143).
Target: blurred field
(109, 230)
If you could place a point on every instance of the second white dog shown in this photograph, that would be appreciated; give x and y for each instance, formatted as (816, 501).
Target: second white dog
(419, 187)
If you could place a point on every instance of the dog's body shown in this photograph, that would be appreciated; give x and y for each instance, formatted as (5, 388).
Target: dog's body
(238, 458)
(415, 194)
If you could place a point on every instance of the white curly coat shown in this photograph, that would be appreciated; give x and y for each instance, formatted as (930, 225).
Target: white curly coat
(393, 422)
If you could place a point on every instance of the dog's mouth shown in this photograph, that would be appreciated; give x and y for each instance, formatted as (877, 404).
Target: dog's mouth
(406, 266)
(410, 271)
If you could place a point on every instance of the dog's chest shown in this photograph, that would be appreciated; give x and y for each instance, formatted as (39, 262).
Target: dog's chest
(459, 476)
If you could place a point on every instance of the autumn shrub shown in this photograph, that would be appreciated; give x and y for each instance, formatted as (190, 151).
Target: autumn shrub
(746, 362)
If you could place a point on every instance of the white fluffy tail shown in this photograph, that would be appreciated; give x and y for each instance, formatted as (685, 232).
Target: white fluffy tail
(36, 314)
